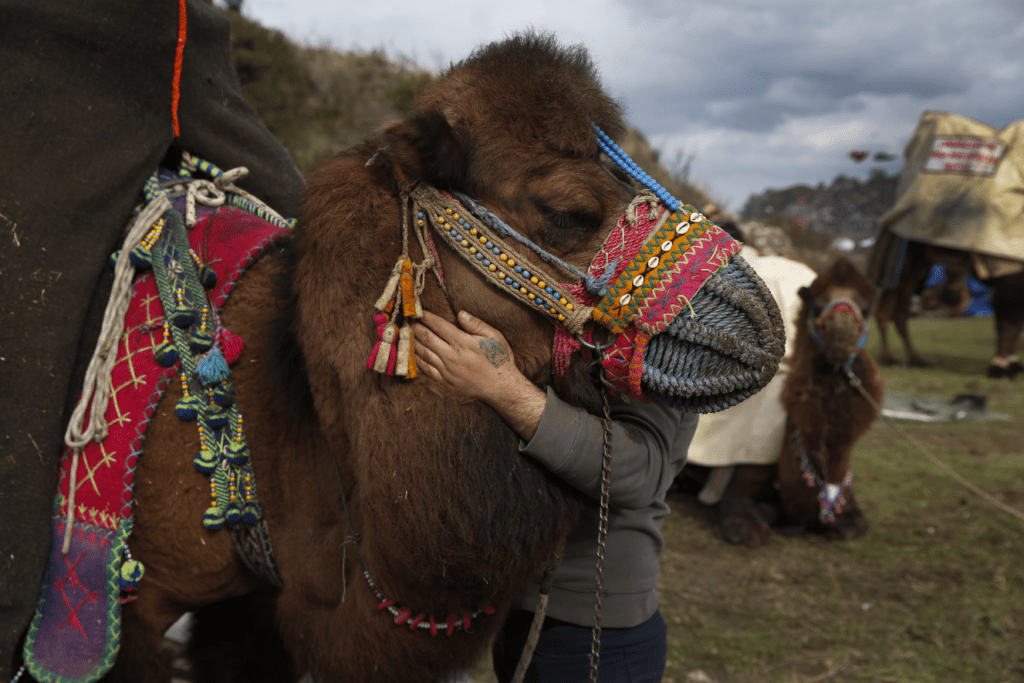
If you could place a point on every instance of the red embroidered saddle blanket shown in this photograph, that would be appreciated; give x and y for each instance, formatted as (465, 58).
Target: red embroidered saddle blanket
(75, 634)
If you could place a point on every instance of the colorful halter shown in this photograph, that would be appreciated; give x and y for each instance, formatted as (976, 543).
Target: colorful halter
(840, 305)
(657, 262)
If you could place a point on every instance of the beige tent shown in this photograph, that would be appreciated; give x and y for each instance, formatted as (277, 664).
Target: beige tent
(962, 187)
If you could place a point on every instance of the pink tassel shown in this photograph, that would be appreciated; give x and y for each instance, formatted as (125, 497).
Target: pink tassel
(231, 344)
(381, 321)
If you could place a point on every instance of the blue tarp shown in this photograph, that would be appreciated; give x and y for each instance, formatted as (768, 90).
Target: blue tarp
(980, 305)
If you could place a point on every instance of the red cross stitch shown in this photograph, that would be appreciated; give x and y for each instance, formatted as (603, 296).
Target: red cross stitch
(94, 596)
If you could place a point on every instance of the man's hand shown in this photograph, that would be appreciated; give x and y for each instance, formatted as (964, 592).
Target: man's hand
(478, 363)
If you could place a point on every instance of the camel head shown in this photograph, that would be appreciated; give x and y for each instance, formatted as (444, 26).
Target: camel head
(837, 306)
(510, 128)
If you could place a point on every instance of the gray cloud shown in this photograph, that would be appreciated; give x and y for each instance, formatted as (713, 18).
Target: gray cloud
(765, 93)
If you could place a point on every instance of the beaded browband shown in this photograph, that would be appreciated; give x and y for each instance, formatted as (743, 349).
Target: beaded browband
(492, 256)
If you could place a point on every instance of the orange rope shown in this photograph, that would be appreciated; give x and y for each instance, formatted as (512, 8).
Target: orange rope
(178, 58)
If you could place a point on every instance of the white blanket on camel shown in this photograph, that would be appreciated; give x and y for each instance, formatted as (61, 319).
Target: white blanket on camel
(752, 432)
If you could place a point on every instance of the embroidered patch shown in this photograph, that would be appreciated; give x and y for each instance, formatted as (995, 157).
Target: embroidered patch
(75, 634)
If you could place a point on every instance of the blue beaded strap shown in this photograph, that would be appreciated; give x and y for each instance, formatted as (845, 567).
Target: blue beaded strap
(622, 160)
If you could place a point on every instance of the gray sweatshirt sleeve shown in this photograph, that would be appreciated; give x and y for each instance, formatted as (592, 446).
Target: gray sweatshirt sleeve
(646, 438)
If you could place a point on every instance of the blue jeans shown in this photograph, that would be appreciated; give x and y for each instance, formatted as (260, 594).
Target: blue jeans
(628, 655)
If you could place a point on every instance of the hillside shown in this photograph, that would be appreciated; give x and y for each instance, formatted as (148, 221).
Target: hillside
(824, 221)
(319, 102)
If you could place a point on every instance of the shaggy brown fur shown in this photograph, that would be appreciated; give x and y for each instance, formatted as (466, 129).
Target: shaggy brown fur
(829, 413)
(1007, 303)
(451, 517)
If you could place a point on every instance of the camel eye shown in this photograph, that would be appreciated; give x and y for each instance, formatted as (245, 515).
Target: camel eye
(568, 226)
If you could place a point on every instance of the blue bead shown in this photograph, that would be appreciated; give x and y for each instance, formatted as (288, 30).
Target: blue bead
(419, 214)
(508, 281)
(489, 244)
(549, 290)
(486, 262)
(526, 274)
(515, 284)
(539, 302)
(496, 251)
(519, 269)
(453, 232)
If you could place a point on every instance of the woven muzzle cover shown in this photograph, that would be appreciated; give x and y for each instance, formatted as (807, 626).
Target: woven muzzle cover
(694, 326)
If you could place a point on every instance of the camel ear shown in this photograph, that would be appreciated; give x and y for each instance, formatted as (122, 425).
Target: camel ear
(805, 293)
(426, 147)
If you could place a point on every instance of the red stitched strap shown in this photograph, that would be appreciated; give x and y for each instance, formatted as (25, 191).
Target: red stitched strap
(179, 57)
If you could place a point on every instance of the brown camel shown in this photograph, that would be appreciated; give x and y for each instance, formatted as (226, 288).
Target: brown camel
(452, 520)
(1007, 304)
(826, 415)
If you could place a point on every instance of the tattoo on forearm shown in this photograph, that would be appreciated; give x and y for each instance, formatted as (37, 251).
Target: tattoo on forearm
(495, 352)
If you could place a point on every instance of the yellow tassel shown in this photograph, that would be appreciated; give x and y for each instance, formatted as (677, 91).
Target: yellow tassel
(409, 307)
(392, 286)
(404, 350)
(384, 352)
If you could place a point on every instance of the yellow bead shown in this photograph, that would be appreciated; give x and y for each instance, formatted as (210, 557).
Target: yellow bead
(464, 243)
(472, 250)
(420, 223)
(440, 219)
(248, 498)
(483, 240)
(492, 268)
(472, 231)
(232, 497)
(533, 280)
(561, 317)
(448, 211)
(503, 257)
(532, 297)
(456, 216)
(522, 290)
(568, 306)
(511, 263)
(541, 284)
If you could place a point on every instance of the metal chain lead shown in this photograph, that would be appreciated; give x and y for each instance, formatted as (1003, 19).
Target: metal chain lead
(602, 529)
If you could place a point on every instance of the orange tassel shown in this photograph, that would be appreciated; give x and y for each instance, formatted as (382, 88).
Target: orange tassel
(409, 303)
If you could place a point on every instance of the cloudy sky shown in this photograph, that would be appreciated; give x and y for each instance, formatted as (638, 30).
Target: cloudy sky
(760, 94)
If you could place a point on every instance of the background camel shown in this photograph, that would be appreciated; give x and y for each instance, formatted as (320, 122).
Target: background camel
(825, 416)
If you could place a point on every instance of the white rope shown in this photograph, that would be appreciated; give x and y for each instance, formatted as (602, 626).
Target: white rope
(214, 193)
(96, 388)
(969, 485)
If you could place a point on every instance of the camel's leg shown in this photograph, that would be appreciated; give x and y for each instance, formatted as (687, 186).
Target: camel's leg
(238, 640)
(142, 658)
(1008, 305)
(901, 318)
(850, 523)
(883, 315)
(744, 519)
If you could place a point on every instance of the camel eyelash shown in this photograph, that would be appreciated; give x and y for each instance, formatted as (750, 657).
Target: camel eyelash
(568, 225)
